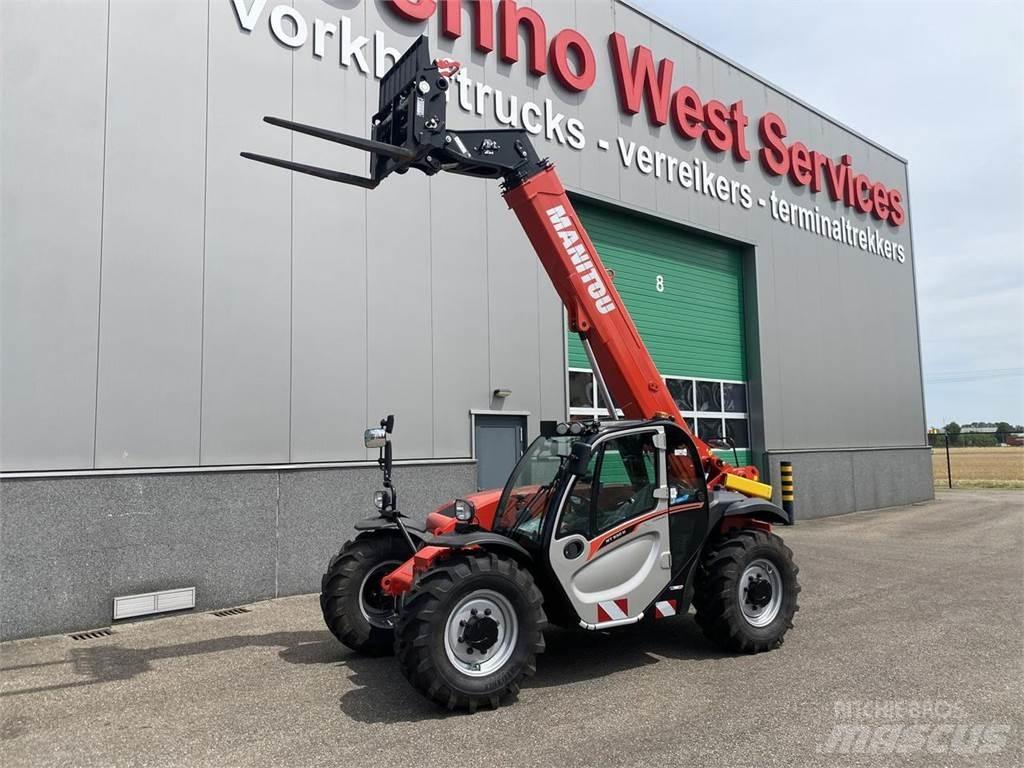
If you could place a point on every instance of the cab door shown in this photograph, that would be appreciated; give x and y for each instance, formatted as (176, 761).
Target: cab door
(610, 546)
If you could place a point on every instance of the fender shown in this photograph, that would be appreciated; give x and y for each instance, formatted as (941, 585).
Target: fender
(416, 529)
(486, 539)
(725, 504)
(434, 546)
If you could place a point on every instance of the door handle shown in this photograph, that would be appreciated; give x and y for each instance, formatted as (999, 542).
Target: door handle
(573, 549)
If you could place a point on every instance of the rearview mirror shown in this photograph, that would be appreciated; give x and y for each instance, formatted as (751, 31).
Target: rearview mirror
(375, 437)
(581, 453)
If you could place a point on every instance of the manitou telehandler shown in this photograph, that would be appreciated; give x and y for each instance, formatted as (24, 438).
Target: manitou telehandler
(601, 524)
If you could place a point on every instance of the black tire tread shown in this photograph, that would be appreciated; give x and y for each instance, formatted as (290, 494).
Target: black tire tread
(344, 573)
(412, 635)
(717, 609)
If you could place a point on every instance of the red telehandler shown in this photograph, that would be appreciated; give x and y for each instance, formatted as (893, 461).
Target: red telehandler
(601, 524)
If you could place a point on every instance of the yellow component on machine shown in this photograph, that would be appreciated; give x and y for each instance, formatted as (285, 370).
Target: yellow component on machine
(748, 487)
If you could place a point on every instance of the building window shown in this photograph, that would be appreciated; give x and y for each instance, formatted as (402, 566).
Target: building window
(712, 409)
(581, 390)
(585, 401)
(709, 396)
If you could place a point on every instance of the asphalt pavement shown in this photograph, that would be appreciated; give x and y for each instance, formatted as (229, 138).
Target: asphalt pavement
(907, 650)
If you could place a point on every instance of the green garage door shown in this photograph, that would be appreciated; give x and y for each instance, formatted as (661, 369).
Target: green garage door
(685, 294)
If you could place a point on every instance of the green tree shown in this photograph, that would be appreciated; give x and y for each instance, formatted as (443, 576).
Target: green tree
(1003, 430)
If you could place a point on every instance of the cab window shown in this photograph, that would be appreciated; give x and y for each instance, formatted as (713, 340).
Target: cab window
(681, 468)
(618, 486)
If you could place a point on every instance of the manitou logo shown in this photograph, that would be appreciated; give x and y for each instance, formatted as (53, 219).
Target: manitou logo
(577, 252)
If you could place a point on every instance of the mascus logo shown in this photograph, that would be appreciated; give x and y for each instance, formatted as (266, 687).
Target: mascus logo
(581, 259)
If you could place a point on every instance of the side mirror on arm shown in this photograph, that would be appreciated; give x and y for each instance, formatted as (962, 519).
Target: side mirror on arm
(376, 437)
(726, 443)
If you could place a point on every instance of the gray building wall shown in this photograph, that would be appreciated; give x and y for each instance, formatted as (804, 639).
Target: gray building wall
(71, 544)
(166, 303)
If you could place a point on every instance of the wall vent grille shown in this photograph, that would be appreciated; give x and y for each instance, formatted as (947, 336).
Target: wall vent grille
(154, 602)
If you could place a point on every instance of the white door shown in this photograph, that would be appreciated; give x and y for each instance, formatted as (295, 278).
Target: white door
(610, 549)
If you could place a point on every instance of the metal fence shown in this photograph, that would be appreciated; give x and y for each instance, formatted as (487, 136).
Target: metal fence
(977, 460)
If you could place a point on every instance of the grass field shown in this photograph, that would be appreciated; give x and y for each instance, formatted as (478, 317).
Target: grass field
(980, 467)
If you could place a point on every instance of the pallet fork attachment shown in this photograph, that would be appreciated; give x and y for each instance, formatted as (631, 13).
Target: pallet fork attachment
(377, 147)
(410, 131)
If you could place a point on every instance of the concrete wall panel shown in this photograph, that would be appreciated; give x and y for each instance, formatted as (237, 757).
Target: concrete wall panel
(514, 317)
(839, 482)
(235, 536)
(72, 544)
(150, 335)
(329, 301)
(459, 308)
(52, 137)
(598, 107)
(247, 291)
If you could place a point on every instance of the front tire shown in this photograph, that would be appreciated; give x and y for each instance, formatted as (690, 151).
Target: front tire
(470, 630)
(746, 591)
(355, 608)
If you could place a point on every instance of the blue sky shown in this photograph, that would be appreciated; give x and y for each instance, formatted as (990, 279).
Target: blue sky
(941, 83)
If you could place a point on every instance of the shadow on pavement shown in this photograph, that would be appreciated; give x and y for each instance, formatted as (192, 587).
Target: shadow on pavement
(106, 663)
(574, 656)
(382, 695)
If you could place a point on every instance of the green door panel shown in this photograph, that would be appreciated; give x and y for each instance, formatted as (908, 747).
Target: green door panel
(693, 327)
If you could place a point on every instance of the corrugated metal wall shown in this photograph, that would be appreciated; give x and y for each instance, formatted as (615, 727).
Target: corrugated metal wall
(166, 303)
(694, 326)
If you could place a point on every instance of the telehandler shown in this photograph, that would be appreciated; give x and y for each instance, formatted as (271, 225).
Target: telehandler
(601, 524)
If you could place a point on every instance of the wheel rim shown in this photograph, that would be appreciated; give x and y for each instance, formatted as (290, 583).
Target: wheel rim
(760, 592)
(377, 607)
(481, 632)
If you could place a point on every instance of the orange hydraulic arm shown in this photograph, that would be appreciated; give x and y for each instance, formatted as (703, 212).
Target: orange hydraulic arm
(410, 131)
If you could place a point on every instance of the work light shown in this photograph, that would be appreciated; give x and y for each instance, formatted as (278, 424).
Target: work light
(463, 511)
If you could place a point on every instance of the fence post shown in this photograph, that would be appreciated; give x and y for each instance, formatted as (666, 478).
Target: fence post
(949, 470)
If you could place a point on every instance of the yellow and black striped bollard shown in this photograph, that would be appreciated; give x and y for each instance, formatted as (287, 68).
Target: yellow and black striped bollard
(786, 470)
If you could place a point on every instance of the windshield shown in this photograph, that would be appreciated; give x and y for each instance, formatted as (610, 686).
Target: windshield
(528, 491)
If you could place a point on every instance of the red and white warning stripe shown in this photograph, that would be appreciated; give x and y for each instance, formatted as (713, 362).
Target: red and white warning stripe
(612, 610)
(664, 608)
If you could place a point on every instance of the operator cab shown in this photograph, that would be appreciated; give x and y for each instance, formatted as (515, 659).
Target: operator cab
(616, 510)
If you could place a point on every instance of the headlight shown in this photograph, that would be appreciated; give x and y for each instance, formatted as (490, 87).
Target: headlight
(463, 510)
(381, 499)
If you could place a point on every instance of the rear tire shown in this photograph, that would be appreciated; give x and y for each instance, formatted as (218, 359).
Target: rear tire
(746, 591)
(354, 608)
(473, 609)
